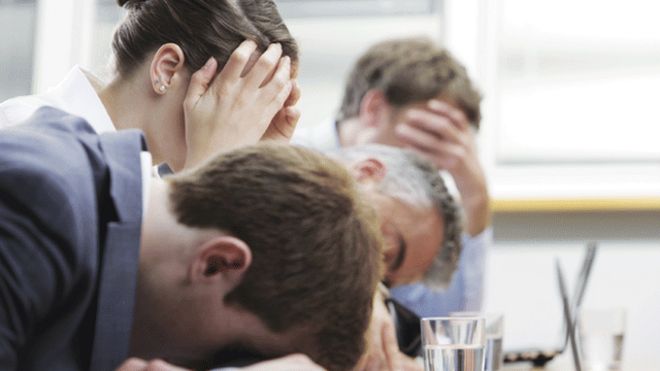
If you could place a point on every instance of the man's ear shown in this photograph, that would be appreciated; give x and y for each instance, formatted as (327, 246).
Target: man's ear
(223, 258)
(165, 64)
(369, 170)
(374, 108)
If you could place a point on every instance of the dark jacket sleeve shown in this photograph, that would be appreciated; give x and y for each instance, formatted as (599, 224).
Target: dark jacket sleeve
(38, 236)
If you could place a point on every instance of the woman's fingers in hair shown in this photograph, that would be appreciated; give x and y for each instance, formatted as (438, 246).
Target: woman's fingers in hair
(238, 61)
(285, 89)
(292, 117)
(233, 110)
(269, 61)
(284, 124)
(273, 98)
(294, 96)
(199, 83)
(280, 87)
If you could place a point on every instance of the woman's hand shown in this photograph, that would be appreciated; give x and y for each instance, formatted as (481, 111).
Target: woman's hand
(237, 108)
(285, 122)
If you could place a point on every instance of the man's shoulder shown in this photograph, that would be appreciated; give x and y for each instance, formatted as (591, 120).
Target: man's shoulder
(44, 149)
(51, 172)
(50, 141)
(55, 158)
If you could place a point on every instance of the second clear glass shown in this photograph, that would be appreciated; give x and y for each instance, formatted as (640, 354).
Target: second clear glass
(454, 343)
(494, 337)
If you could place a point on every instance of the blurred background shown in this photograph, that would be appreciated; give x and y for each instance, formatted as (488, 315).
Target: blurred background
(570, 137)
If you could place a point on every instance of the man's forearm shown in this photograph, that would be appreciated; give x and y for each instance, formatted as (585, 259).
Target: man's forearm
(477, 212)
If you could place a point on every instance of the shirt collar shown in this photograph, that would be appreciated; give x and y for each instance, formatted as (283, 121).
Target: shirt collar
(76, 95)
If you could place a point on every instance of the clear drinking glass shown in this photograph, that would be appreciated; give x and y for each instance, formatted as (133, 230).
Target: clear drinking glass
(454, 343)
(601, 334)
(494, 335)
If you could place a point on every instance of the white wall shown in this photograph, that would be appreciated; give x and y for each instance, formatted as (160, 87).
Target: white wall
(16, 52)
(330, 46)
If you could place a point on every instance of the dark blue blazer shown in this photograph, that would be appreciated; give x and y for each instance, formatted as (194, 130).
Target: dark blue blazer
(70, 218)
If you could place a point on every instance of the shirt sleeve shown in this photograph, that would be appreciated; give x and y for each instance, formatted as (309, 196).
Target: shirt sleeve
(35, 262)
(465, 291)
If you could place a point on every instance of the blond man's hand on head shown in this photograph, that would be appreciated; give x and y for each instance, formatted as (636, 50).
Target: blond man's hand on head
(296, 362)
(442, 133)
(237, 107)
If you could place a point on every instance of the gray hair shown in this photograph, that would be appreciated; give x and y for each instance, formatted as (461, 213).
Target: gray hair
(415, 181)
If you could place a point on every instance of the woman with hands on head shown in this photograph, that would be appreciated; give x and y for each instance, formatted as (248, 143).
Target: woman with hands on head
(168, 55)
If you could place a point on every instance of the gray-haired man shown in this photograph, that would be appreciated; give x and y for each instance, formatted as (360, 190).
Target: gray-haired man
(421, 225)
(419, 218)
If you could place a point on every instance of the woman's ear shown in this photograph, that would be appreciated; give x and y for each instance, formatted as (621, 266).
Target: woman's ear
(165, 64)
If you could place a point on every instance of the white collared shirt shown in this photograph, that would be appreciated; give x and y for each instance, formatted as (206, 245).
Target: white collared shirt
(75, 95)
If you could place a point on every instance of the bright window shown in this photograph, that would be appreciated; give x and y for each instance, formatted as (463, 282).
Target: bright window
(579, 81)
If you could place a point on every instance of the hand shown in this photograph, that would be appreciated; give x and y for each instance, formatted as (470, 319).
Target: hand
(236, 108)
(285, 121)
(442, 133)
(382, 348)
(136, 364)
(296, 362)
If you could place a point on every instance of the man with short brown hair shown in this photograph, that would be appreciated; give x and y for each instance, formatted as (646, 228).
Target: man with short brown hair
(405, 72)
(266, 250)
